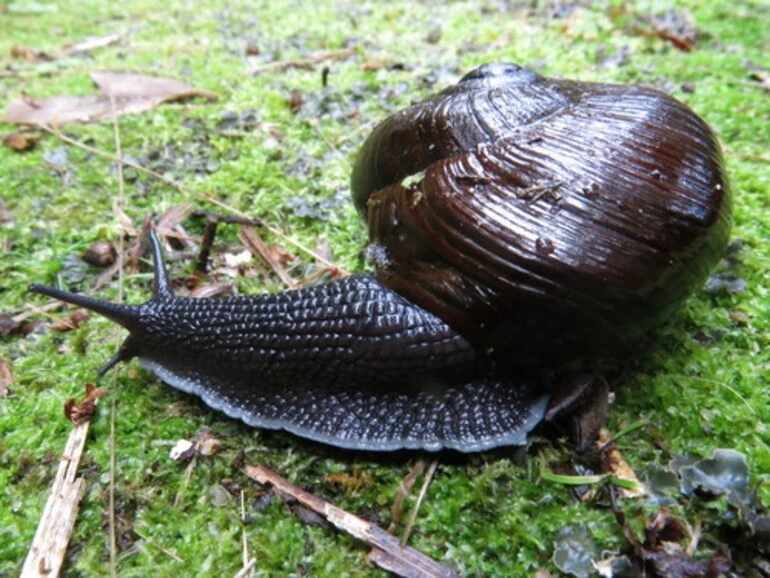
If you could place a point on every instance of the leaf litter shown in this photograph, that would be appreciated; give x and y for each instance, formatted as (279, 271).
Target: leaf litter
(121, 92)
(670, 546)
(701, 486)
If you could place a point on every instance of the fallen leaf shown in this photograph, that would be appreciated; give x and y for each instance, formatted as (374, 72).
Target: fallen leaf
(206, 444)
(663, 564)
(79, 412)
(21, 141)
(31, 54)
(74, 320)
(100, 254)
(678, 42)
(21, 52)
(125, 92)
(280, 255)
(662, 553)
(168, 223)
(123, 84)
(614, 462)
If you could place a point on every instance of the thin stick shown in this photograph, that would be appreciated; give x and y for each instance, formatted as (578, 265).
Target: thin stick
(423, 490)
(402, 491)
(387, 552)
(33, 310)
(248, 567)
(244, 536)
(185, 482)
(256, 245)
(49, 546)
(166, 551)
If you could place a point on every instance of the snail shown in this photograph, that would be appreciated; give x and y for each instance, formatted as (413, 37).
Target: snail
(517, 223)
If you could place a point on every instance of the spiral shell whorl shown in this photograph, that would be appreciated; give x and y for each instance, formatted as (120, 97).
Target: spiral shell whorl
(544, 218)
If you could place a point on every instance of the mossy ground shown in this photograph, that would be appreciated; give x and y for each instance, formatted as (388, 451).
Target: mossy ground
(703, 386)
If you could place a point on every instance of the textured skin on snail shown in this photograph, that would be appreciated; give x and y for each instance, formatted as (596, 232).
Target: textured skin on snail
(515, 221)
(350, 363)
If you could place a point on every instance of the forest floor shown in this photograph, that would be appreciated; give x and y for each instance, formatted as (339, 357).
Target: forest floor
(298, 86)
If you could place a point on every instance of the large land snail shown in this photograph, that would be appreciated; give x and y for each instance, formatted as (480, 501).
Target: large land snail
(516, 222)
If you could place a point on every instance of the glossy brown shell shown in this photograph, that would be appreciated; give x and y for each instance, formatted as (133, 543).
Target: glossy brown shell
(544, 219)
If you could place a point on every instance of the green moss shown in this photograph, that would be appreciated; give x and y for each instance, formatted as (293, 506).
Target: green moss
(703, 385)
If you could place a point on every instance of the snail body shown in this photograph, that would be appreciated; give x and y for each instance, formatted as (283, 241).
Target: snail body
(515, 222)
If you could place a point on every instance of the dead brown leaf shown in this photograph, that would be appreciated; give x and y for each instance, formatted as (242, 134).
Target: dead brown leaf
(82, 411)
(100, 254)
(74, 320)
(614, 462)
(169, 224)
(206, 443)
(6, 378)
(662, 553)
(280, 255)
(21, 52)
(131, 93)
(21, 141)
(677, 41)
(296, 100)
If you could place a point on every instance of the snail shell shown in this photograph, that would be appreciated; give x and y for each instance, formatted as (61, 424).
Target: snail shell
(515, 221)
(544, 218)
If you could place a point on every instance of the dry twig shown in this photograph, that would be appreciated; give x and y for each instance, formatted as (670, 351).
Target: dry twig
(421, 496)
(402, 491)
(386, 552)
(256, 245)
(49, 546)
